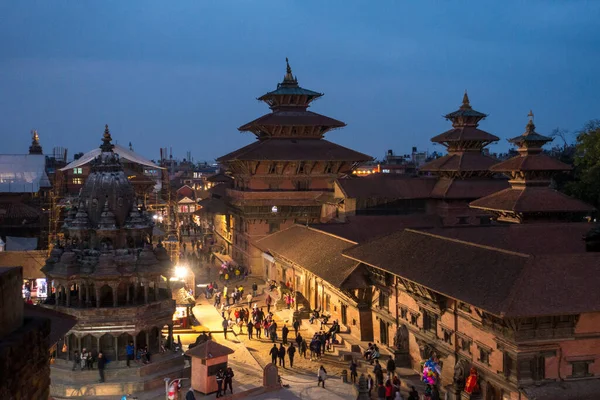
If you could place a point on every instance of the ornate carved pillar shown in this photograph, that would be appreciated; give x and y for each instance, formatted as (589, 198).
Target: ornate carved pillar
(127, 299)
(87, 293)
(136, 288)
(68, 295)
(115, 294)
(98, 343)
(80, 294)
(170, 337)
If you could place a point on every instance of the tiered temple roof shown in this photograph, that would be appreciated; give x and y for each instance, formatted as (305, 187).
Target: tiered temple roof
(465, 160)
(530, 196)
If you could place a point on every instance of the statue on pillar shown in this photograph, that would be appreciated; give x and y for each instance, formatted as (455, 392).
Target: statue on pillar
(471, 385)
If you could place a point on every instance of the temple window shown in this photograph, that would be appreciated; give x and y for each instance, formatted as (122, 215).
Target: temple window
(508, 364)
(77, 181)
(404, 313)
(465, 344)
(384, 300)
(430, 322)
(464, 307)
(414, 319)
(272, 168)
(581, 369)
(447, 335)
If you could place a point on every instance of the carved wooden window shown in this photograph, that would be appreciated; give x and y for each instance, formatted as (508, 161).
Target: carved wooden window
(272, 168)
(404, 313)
(328, 168)
(509, 364)
(301, 168)
(302, 185)
(581, 369)
(447, 335)
(384, 300)
(429, 322)
(414, 319)
(464, 307)
(484, 355)
(465, 344)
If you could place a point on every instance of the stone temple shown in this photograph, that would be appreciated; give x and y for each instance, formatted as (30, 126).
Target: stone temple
(109, 276)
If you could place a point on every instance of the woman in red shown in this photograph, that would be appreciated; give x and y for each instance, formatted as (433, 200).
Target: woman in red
(389, 390)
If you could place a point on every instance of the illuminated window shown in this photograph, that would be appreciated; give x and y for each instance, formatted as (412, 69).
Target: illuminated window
(77, 171)
(77, 181)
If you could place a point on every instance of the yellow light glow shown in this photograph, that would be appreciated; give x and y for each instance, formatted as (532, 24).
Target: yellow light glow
(180, 272)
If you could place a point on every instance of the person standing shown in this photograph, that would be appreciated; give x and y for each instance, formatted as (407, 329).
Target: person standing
(228, 380)
(254, 289)
(130, 350)
(291, 352)
(76, 360)
(284, 334)
(268, 302)
(281, 355)
(190, 395)
(296, 326)
(83, 362)
(353, 371)
(101, 365)
(321, 376)
(274, 352)
(220, 378)
(303, 348)
(370, 384)
(250, 327)
(249, 300)
(413, 394)
(225, 325)
(391, 367)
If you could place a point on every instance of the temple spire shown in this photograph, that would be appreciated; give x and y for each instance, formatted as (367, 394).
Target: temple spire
(289, 79)
(466, 104)
(35, 147)
(106, 146)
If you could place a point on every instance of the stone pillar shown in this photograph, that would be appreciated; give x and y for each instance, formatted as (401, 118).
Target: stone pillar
(136, 288)
(68, 295)
(127, 299)
(146, 292)
(79, 344)
(97, 296)
(116, 348)
(87, 293)
(170, 337)
(134, 343)
(148, 339)
(115, 295)
(80, 294)
(98, 343)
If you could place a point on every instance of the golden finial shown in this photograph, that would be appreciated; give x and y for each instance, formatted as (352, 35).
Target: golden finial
(288, 69)
(35, 136)
(530, 115)
(465, 101)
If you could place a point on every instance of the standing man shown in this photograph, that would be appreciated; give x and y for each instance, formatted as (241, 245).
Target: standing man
(291, 352)
(249, 299)
(281, 355)
(250, 327)
(353, 371)
(225, 325)
(391, 367)
(254, 289)
(268, 302)
(130, 352)
(284, 333)
(274, 352)
(228, 380)
(101, 365)
(220, 378)
(296, 326)
(76, 360)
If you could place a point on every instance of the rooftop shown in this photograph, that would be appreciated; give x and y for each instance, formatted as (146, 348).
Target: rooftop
(387, 186)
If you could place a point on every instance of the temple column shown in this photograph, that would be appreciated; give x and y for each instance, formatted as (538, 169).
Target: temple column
(127, 299)
(68, 293)
(97, 296)
(134, 344)
(170, 337)
(98, 343)
(116, 348)
(80, 294)
(146, 292)
(159, 338)
(87, 293)
(115, 295)
(148, 339)
(135, 291)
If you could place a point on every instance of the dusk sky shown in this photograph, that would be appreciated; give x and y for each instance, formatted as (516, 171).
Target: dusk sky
(187, 74)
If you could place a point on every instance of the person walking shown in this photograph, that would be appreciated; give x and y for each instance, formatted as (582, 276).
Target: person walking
(130, 351)
(250, 327)
(101, 366)
(353, 371)
(296, 326)
(228, 380)
(370, 384)
(389, 390)
(274, 352)
(284, 334)
(303, 348)
(390, 367)
(249, 300)
(76, 360)
(273, 331)
(281, 355)
(220, 377)
(321, 376)
(225, 325)
(254, 289)
(291, 352)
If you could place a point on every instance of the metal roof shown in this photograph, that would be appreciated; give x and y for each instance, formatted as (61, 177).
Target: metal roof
(121, 151)
(23, 173)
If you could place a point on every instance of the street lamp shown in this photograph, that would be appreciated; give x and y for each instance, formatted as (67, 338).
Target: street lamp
(180, 271)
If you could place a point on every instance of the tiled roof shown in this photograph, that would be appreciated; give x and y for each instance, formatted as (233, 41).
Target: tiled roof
(505, 283)
(531, 199)
(532, 162)
(466, 133)
(313, 250)
(362, 228)
(473, 188)
(292, 118)
(293, 150)
(19, 211)
(387, 186)
(467, 161)
(220, 177)
(60, 323)
(212, 206)
(287, 90)
(208, 350)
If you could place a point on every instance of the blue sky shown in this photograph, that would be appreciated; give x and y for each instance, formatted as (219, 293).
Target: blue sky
(186, 74)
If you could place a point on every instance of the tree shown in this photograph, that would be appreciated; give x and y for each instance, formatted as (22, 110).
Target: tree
(586, 185)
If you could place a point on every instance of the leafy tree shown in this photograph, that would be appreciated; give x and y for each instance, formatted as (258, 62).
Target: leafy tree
(586, 185)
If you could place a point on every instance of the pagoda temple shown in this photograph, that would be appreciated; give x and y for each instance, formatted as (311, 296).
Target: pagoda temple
(109, 276)
(464, 173)
(286, 176)
(530, 197)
